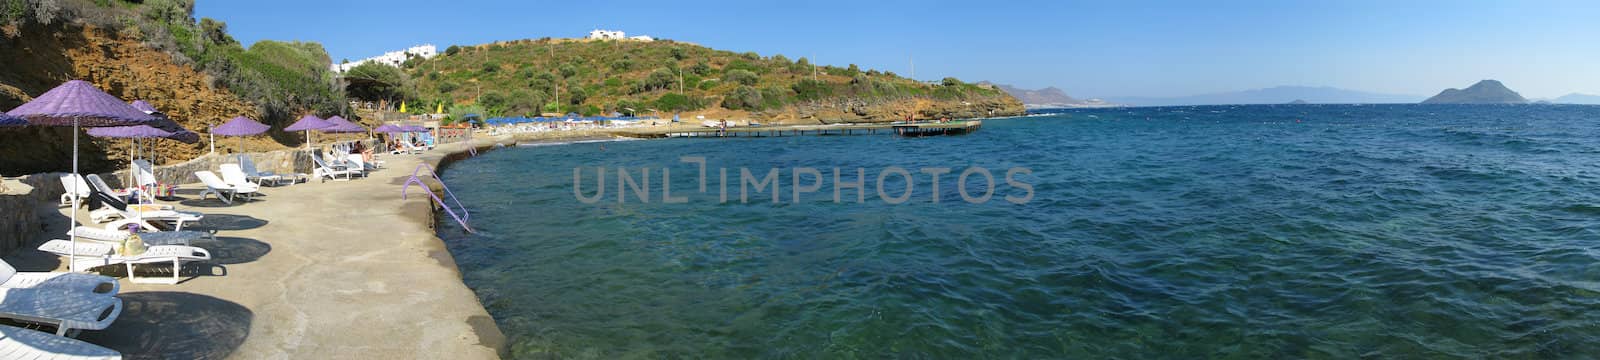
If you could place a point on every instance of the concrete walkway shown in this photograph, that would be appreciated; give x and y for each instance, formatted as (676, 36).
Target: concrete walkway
(333, 270)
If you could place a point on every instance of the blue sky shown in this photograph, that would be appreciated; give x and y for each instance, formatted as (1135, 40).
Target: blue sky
(1089, 49)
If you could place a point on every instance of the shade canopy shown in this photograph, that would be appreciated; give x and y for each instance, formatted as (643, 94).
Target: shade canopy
(129, 132)
(8, 120)
(145, 107)
(185, 136)
(308, 122)
(340, 125)
(240, 126)
(79, 101)
(388, 129)
(414, 128)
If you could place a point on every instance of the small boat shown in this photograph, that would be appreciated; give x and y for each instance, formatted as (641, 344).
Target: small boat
(712, 123)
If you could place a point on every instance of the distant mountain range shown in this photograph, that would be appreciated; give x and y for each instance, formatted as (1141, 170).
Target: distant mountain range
(1484, 92)
(1049, 97)
(1576, 98)
(1273, 95)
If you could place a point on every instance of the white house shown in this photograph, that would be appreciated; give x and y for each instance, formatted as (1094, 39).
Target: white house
(598, 34)
(643, 38)
(392, 58)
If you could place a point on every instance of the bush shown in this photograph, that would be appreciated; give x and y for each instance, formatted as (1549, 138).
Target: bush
(452, 50)
(673, 102)
(742, 77)
(568, 70)
(490, 67)
(700, 68)
(677, 53)
(808, 90)
(660, 79)
(622, 65)
(950, 81)
(743, 98)
(576, 95)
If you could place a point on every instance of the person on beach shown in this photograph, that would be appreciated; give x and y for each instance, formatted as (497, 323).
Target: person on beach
(360, 147)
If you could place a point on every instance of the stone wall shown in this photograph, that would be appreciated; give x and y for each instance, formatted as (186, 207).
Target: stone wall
(18, 221)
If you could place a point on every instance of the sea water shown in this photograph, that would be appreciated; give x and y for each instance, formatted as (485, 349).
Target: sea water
(1332, 231)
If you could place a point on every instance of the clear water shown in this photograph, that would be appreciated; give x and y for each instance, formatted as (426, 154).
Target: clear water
(1184, 232)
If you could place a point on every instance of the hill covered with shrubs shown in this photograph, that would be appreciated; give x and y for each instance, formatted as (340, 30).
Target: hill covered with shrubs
(530, 77)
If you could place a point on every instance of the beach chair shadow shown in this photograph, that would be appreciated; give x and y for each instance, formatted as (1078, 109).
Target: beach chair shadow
(230, 222)
(175, 325)
(227, 250)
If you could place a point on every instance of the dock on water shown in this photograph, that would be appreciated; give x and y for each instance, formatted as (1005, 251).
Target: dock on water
(912, 129)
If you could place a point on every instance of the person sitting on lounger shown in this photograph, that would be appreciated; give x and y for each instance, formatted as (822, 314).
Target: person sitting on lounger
(361, 148)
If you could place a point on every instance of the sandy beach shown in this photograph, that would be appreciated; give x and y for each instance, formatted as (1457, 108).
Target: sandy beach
(337, 269)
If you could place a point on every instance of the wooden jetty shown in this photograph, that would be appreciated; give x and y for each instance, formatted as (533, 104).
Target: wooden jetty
(913, 129)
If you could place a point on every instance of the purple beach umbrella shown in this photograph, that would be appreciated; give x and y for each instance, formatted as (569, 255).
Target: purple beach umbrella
(129, 132)
(146, 107)
(78, 103)
(241, 127)
(8, 120)
(306, 124)
(388, 129)
(340, 125)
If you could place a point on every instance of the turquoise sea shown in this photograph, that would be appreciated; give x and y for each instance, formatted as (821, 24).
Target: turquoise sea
(1315, 231)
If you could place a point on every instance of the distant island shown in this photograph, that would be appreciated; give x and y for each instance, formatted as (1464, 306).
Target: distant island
(1298, 102)
(1484, 92)
(1049, 97)
(1576, 98)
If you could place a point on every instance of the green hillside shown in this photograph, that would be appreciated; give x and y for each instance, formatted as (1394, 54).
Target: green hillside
(528, 77)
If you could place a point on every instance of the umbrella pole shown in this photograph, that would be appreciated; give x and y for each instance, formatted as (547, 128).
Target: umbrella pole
(72, 255)
(129, 181)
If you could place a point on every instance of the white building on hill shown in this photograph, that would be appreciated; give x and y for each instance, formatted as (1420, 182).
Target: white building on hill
(598, 34)
(392, 58)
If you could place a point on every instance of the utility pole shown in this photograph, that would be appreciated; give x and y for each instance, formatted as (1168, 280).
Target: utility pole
(813, 67)
(913, 66)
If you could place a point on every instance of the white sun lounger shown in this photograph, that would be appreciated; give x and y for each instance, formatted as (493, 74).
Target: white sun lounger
(324, 170)
(73, 186)
(106, 213)
(143, 217)
(68, 311)
(19, 343)
(92, 254)
(116, 236)
(67, 281)
(250, 172)
(224, 190)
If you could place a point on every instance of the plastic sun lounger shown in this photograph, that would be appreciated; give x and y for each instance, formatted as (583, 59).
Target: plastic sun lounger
(106, 214)
(249, 167)
(144, 217)
(92, 255)
(330, 171)
(68, 311)
(65, 281)
(19, 343)
(115, 236)
(69, 182)
(233, 176)
(223, 190)
(250, 172)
